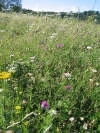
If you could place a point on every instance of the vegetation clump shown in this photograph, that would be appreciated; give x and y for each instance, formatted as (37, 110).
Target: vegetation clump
(49, 74)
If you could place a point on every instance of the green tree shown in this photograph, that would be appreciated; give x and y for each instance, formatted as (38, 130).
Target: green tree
(0, 7)
(16, 8)
(63, 14)
(9, 4)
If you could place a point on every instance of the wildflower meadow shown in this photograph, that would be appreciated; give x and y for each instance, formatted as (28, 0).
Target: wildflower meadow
(49, 74)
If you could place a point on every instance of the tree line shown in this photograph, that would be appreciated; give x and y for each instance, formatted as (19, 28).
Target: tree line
(16, 6)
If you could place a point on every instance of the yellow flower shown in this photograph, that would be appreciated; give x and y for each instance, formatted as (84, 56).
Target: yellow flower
(20, 92)
(26, 123)
(17, 113)
(11, 71)
(57, 129)
(5, 75)
(39, 113)
(18, 107)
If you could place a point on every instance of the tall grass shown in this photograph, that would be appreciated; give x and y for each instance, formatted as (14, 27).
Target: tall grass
(51, 80)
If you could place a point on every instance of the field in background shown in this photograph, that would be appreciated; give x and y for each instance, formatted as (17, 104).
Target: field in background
(49, 75)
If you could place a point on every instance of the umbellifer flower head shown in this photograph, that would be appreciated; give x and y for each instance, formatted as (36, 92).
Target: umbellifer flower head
(66, 75)
(44, 104)
(71, 119)
(85, 126)
(53, 112)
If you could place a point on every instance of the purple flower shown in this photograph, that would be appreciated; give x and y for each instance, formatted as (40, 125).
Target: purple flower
(44, 104)
(59, 45)
(68, 87)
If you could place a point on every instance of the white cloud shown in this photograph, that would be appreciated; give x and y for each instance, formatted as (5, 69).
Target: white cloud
(69, 8)
(45, 7)
(61, 9)
(36, 8)
(84, 7)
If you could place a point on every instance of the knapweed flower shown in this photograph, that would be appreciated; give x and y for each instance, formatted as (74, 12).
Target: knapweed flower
(59, 45)
(5, 75)
(18, 108)
(68, 87)
(44, 105)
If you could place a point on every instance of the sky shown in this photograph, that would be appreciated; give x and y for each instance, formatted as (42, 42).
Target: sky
(61, 5)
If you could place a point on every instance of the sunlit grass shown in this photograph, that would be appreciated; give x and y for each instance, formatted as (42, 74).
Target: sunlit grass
(54, 74)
